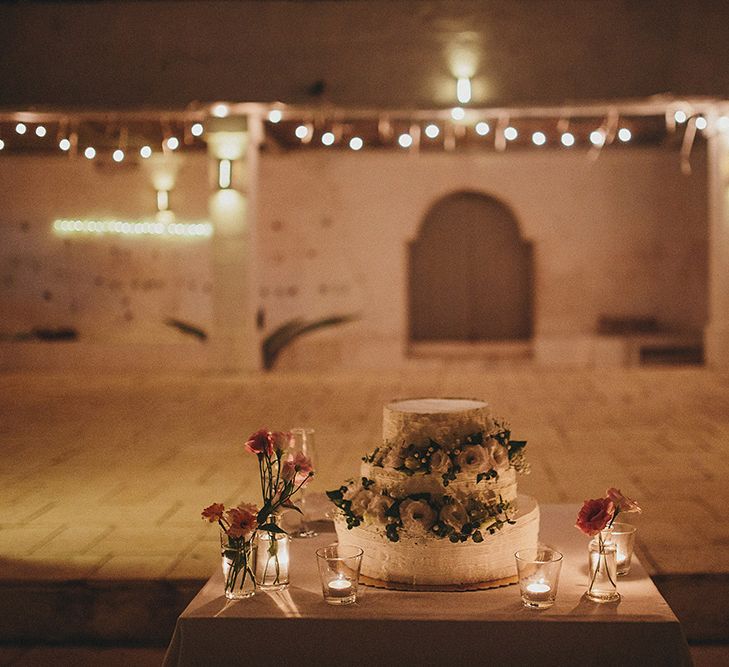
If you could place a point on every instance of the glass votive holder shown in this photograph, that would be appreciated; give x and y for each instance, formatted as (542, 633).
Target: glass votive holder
(538, 571)
(623, 536)
(339, 566)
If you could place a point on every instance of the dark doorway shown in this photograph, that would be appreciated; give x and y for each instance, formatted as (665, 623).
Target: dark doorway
(470, 273)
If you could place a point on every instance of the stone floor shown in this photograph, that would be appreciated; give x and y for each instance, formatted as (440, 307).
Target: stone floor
(103, 478)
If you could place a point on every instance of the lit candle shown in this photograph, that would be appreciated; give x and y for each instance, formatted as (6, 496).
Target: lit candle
(340, 588)
(538, 591)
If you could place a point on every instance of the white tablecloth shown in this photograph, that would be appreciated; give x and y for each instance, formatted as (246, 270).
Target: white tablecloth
(489, 627)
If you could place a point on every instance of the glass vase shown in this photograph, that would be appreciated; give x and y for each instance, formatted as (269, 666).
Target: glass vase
(603, 569)
(238, 557)
(272, 558)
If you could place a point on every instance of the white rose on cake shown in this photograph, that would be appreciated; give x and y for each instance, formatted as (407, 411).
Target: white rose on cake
(377, 508)
(360, 501)
(454, 515)
(417, 516)
(498, 455)
(473, 458)
(439, 461)
(393, 458)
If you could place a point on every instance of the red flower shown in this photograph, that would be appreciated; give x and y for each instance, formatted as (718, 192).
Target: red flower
(261, 442)
(214, 512)
(242, 520)
(595, 515)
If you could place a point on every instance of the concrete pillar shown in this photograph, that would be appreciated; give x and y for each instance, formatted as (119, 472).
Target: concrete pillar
(234, 338)
(716, 335)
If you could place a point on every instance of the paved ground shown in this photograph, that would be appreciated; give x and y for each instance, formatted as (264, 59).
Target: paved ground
(104, 478)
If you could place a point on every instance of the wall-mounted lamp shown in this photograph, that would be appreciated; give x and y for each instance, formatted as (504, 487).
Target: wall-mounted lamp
(163, 200)
(463, 90)
(225, 174)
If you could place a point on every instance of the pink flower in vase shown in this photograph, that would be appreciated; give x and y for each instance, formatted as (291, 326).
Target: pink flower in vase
(214, 512)
(242, 520)
(299, 467)
(595, 515)
(622, 503)
(260, 443)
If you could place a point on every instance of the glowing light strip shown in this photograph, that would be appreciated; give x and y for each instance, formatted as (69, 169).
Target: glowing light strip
(126, 228)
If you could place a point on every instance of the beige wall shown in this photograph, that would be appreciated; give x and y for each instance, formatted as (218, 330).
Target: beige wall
(623, 235)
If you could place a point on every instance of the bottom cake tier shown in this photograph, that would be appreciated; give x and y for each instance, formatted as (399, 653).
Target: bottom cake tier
(430, 561)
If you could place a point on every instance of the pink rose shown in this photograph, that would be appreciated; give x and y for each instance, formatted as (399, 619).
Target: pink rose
(260, 443)
(595, 515)
(214, 512)
(622, 503)
(417, 516)
(242, 520)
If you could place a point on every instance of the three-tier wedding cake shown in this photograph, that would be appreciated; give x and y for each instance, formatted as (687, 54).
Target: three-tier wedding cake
(436, 505)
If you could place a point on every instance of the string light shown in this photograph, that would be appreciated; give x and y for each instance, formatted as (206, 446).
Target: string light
(90, 153)
(567, 139)
(624, 134)
(539, 139)
(220, 110)
(275, 115)
(483, 128)
(510, 133)
(20, 128)
(173, 143)
(701, 123)
(225, 174)
(145, 152)
(328, 138)
(597, 137)
(40, 131)
(117, 155)
(405, 140)
(457, 113)
(680, 116)
(64, 144)
(2, 144)
(356, 143)
(99, 227)
(301, 132)
(463, 90)
(432, 131)
(723, 123)
(196, 130)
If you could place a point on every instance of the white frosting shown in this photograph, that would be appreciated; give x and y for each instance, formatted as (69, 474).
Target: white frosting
(430, 560)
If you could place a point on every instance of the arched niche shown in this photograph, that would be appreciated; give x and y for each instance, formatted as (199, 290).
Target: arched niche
(470, 273)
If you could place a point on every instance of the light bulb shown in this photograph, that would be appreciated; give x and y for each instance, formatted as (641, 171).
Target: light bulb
(597, 137)
(327, 138)
(723, 123)
(2, 144)
(117, 155)
(225, 174)
(405, 140)
(567, 139)
(275, 115)
(355, 143)
(145, 151)
(539, 139)
(301, 131)
(463, 90)
(510, 133)
(64, 144)
(220, 110)
(701, 123)
(457, 113)
(40, 131)
(90, 153)
(173, 143)
(20, 128)
(624, 134)
(680, 116)
(482, 128)
(432, 131)
(197, 129)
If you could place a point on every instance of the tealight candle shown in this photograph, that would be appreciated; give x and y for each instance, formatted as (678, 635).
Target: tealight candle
(538, 571)
(538, 592)
(340, 588)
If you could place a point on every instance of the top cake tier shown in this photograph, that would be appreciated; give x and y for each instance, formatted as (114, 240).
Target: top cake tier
(445, 420)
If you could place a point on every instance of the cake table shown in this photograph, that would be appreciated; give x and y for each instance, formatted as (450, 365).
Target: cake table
(428, 628)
